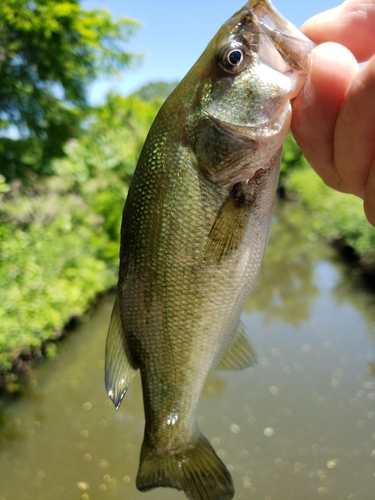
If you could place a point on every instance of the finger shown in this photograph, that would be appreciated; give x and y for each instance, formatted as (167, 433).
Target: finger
(316, 109)
(351, 24)
(354, 141)
(369, 201)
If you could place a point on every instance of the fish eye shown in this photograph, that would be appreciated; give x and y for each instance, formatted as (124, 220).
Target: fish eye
(233, 58)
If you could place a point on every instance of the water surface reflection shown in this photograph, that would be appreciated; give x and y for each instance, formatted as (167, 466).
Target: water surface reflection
(299, 425)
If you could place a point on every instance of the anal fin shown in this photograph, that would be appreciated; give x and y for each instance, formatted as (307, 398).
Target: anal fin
(119, 366)
(239, 354)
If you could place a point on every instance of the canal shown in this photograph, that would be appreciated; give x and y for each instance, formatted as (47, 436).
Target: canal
(298, 425)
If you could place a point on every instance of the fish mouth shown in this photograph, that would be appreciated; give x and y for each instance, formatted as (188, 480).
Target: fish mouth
(292, 45)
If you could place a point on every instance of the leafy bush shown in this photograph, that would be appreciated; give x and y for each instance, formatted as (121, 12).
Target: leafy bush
(48, 274)
(292, 159)
(338, 216)
(60, 235)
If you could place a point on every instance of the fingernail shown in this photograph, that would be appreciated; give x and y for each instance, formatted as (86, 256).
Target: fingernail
(309, 89)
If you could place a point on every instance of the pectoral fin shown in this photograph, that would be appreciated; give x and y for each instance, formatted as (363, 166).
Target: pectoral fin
(240, 354)
(230, 225)
(119, 366)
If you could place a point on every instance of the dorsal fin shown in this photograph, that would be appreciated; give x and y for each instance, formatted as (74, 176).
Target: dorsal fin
(119, 366)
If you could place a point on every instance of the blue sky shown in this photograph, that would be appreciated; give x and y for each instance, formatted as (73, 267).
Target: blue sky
(174, 34)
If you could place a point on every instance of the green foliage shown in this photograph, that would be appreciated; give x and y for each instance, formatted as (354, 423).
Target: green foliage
(292, 158)
(49, 51)
(4, 187)
(155, 90)
(51, 350)
(118, 132)
(47, 275)
(100, 165)
(337, 216)
(60, 234)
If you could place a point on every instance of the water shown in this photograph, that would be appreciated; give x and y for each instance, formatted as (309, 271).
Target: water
(298, 425)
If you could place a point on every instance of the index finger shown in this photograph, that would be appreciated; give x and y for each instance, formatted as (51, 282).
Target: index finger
(351, 24)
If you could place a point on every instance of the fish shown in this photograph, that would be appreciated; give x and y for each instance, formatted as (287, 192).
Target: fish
(194, 230)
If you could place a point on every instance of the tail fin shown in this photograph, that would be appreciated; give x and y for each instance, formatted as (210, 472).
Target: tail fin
(197, 470)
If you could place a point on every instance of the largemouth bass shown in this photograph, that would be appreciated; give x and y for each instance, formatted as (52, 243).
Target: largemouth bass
(194, 230)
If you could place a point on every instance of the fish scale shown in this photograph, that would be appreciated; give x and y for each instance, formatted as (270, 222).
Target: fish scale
(194, 231)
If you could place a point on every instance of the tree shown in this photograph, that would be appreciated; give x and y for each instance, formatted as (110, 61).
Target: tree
(156, 90)
(49, 51)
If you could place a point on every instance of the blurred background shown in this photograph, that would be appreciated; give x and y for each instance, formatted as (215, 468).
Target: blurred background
(81, 83)
(173, 34)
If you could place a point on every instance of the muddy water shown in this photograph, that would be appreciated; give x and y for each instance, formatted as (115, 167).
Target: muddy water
(298, 425)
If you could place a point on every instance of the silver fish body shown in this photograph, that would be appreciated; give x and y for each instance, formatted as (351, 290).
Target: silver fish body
(195, 227)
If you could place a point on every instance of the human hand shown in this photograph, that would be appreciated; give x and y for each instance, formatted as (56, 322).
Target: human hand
(334, 116)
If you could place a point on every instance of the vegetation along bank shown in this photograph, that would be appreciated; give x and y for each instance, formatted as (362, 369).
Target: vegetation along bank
(65, 168)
